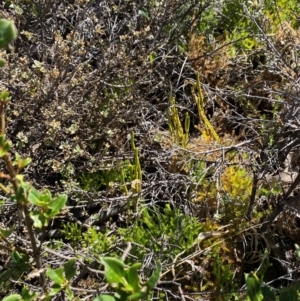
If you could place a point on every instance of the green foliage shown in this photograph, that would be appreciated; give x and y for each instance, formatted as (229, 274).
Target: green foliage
(73, 233)
(241, 22)
(8, 33)
(278, 11)
(61, 278)
(126, 281)
(235, 184)
(46, 206)
(26, 295)
(92, 240)
(253, 287)
(222, 273)
(37, 208)
(106, 178)
(97, 242)
(167, 233)
(258, 292)
(99, 180)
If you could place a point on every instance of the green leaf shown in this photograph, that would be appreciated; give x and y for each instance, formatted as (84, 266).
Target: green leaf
(104, 298)
(151, 283)
(297, 250)
(4, 96)
(288, 293)
(70, 270)
(138, 296)
(4, 146)
(21, 162)
(34, 196)
(253, 287)
(58, 203)
(133, 278)
(19, 197)
(143, 13)
(27, 295)
(26, 162)
(56, 288)
(39, 220)
(6, 233)
(56, 275)
(2, 62)
(14, 297)
(114, 270)
(19, 258)
(46, 197)
(69, 293)
(8, 32)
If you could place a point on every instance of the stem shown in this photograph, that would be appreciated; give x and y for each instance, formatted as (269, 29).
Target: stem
(2, 113)
(22, 204)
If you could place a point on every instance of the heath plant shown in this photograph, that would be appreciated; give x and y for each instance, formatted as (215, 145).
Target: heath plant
(37, 209)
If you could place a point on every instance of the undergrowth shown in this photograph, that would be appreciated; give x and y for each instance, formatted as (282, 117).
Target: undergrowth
(167, 125)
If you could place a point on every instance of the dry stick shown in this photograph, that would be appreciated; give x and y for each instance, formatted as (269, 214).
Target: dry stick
(252, 196)
(279, 207)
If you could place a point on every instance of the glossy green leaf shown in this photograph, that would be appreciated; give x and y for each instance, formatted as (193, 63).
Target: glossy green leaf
(56, 288)
(46, 197)
(14, 297)
(39, 220)
(104, 298)
(34, 196)
(253, 287)
(69, 293)
(4, 146)
(58, 203)
(6, 233)
(19, 197)
(151, 283)
(70, 269)
(143, 13)
(17, 157)
(288, 293)
(138, 296)
(8, 33)
(4, 96)
(27, 295)
(2, 139)
(57, 275)
(133, 278)
(20, 258)
(26, 162)
(21, 163)
(17, 257)
(114, 270)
